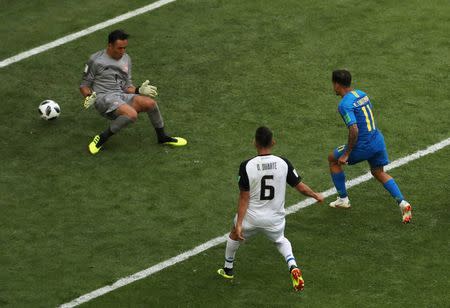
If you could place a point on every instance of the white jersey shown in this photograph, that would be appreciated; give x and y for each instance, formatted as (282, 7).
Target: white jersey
(265, 177)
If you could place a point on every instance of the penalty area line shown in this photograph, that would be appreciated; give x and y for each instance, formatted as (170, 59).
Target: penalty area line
(221, 239)
(71, 37)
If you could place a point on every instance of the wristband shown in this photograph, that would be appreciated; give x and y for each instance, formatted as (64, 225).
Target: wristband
(137, 90)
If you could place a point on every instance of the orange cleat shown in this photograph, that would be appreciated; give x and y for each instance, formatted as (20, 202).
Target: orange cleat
(406, 209)
(297, 279)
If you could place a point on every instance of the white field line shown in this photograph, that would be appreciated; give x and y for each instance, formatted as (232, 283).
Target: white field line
(87, 31)
(221, 239)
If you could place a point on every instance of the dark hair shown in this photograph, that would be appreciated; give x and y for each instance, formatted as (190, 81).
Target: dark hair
(117, 35)
(263, 137)
(342, 77)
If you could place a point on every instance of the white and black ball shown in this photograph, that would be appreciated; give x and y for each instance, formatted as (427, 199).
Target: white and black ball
(49, 110)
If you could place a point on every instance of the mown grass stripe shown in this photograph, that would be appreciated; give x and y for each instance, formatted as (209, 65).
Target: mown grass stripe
(71, 37)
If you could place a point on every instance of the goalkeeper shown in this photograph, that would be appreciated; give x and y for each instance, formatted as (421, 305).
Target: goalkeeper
(107, 85)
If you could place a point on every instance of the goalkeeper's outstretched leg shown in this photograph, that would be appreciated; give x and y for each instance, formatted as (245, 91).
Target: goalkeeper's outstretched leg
(150, 106)
(126, 114)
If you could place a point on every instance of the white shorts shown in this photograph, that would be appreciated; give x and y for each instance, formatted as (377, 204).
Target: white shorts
(274, 232)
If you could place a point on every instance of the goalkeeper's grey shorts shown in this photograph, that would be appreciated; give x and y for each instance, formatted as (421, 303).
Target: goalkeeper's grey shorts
(106, 104)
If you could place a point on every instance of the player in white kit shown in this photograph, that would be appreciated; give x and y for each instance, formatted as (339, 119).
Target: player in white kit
(262, 183)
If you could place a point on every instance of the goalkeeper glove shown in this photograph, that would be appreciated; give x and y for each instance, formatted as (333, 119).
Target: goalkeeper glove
(148, 90)
(89, 100)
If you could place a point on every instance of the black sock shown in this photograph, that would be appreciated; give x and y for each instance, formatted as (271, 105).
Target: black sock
(160, 133)
(228, 271)
(104, 136)
(162, 137)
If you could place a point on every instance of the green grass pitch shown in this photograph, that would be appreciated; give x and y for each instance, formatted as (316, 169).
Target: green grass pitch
(71, 223)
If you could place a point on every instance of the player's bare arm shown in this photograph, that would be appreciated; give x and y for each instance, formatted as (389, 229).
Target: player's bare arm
(131, 90)
(352, 139)
(86, 91)
(244, 197)
(307, 191)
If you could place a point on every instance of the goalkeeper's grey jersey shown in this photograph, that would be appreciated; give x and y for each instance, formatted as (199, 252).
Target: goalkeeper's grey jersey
(104, 74)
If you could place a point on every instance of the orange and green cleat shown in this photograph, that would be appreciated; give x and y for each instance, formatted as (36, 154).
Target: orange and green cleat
(297, 280)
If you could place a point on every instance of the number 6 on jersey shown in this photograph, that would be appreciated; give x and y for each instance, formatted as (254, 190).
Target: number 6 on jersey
(267, 191)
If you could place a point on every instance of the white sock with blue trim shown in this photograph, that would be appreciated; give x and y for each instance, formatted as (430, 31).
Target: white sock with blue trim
(285, 248)
(230, 252)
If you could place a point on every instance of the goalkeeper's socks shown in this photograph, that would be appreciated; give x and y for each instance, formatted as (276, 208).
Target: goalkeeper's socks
(162, 137)
(166, 139)
(104, 136)
(339, 183)
(393, 189)
(160, 132)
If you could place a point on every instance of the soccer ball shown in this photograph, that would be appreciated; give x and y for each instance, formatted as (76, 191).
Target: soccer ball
(49, 110)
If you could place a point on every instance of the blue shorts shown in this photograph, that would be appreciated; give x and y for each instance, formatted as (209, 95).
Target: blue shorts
(374, 152)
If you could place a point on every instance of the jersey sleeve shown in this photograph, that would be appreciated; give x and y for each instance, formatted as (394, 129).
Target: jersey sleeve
(292, 177)
(347, 113)
(129, 81)
(244, 184)
(88, 75)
